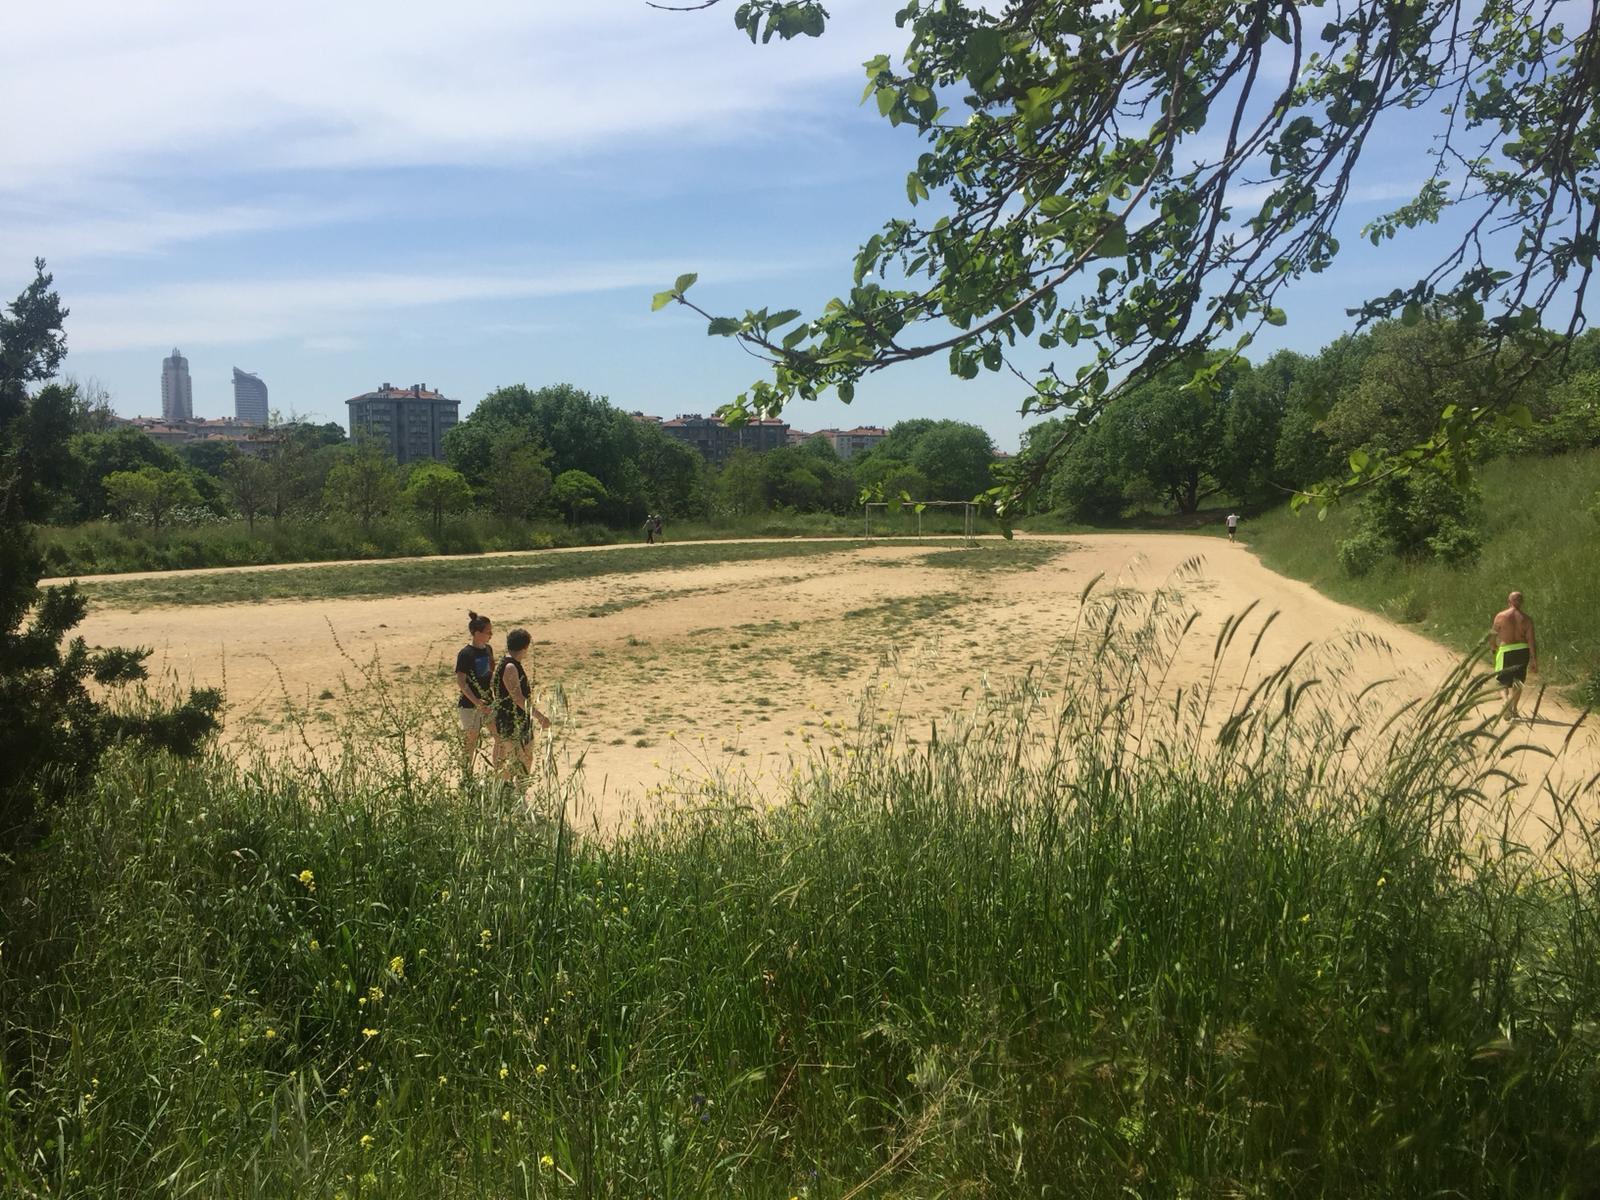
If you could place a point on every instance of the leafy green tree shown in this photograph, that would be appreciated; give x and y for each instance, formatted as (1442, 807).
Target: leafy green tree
(673, 473)
(363, 484)
(1147, 182)
(956, 459)
(517, 480)
(97, 455)
(582, 432)
(54, 730)
(741, 491)
(208, 457)
(1089, 475)
(1394, 379)
(435, 489)
(150, 494)
(578, 492)
(1170, 432)
(248, 481)
(1245, 464)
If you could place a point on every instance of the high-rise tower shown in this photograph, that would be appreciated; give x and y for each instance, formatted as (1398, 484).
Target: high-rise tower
(249, 398)
(177, 395)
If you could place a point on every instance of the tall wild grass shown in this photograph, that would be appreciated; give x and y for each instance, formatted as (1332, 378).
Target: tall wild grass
(108, 547)
(1090, 938)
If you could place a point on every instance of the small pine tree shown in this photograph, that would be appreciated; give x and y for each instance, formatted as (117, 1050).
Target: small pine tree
(54, 731)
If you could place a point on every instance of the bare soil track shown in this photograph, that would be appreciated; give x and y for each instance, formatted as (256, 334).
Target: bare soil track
(745, 668)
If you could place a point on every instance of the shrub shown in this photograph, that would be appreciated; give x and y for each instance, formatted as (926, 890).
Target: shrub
(1454, 542)
(1361, 552)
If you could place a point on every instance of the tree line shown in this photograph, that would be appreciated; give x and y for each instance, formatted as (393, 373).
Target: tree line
(1257, 434)
(555, 452)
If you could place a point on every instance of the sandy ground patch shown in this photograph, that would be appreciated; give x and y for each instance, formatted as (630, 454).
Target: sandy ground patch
(746, 668)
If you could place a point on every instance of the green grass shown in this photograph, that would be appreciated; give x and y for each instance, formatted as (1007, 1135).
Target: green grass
(998, 965)
(403, 577)
(400, 577)
(1542, 538)
(105, 547)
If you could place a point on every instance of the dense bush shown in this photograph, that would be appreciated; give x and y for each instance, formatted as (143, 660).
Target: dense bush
(1423, 515)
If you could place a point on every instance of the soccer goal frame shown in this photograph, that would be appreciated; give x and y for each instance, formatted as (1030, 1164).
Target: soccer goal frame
(967, 507)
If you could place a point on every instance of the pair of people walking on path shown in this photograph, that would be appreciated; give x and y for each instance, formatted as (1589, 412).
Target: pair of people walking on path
(652, 529)
(497, 696)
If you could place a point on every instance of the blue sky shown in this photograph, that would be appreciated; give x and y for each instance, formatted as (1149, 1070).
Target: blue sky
(478, 195)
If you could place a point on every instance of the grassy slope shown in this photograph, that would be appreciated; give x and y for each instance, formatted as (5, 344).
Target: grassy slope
(1541, 539)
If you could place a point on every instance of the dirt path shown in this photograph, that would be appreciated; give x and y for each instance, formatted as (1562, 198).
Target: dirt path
(744, 668)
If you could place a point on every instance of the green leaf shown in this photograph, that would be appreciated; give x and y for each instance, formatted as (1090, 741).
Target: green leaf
(1114, 241)
(684, 283)
(1359, 461)
(721, 326)
(1411, 313)
(1276, 316)
(661, 300)
(983, 54)
(779, 320)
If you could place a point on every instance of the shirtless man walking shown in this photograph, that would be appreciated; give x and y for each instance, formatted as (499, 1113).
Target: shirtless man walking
(1515, 652)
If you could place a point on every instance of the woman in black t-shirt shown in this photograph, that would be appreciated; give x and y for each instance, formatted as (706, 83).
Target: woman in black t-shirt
(514, 710)
(475, 685)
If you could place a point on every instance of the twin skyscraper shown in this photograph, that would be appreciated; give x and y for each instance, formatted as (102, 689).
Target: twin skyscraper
(177, 393)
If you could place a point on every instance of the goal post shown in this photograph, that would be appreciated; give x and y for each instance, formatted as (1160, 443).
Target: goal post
(877, 515)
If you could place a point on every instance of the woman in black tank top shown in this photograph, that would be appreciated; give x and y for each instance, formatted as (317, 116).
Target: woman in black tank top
(514, 710)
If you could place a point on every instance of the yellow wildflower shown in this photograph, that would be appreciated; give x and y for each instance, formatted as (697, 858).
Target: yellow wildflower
(540, 1069)
(216, 1014)
(397, 967)
(484, 937)
(506, 1116)
(367, 1141)
(309, 880)
(546, 1161)
(1382, 879)
(375, 994)
(271, 1033)
(315, 945)
(443, 1079)
(504, 1070)
(371, 1033)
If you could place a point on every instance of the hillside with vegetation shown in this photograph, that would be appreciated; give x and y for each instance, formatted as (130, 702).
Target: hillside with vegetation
(1537, 524)
(1435, 545)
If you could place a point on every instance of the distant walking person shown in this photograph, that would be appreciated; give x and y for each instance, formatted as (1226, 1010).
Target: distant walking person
(514, 711)
(657, 520)
(650, 529)
(1515, 651)
(1233, 526)
(475, 685)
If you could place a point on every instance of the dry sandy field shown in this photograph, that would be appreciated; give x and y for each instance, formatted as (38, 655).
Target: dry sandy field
(741, 669)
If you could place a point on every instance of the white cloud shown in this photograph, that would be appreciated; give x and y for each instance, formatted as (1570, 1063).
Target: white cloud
(140, 226)
(260, 310)
(115, 89)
